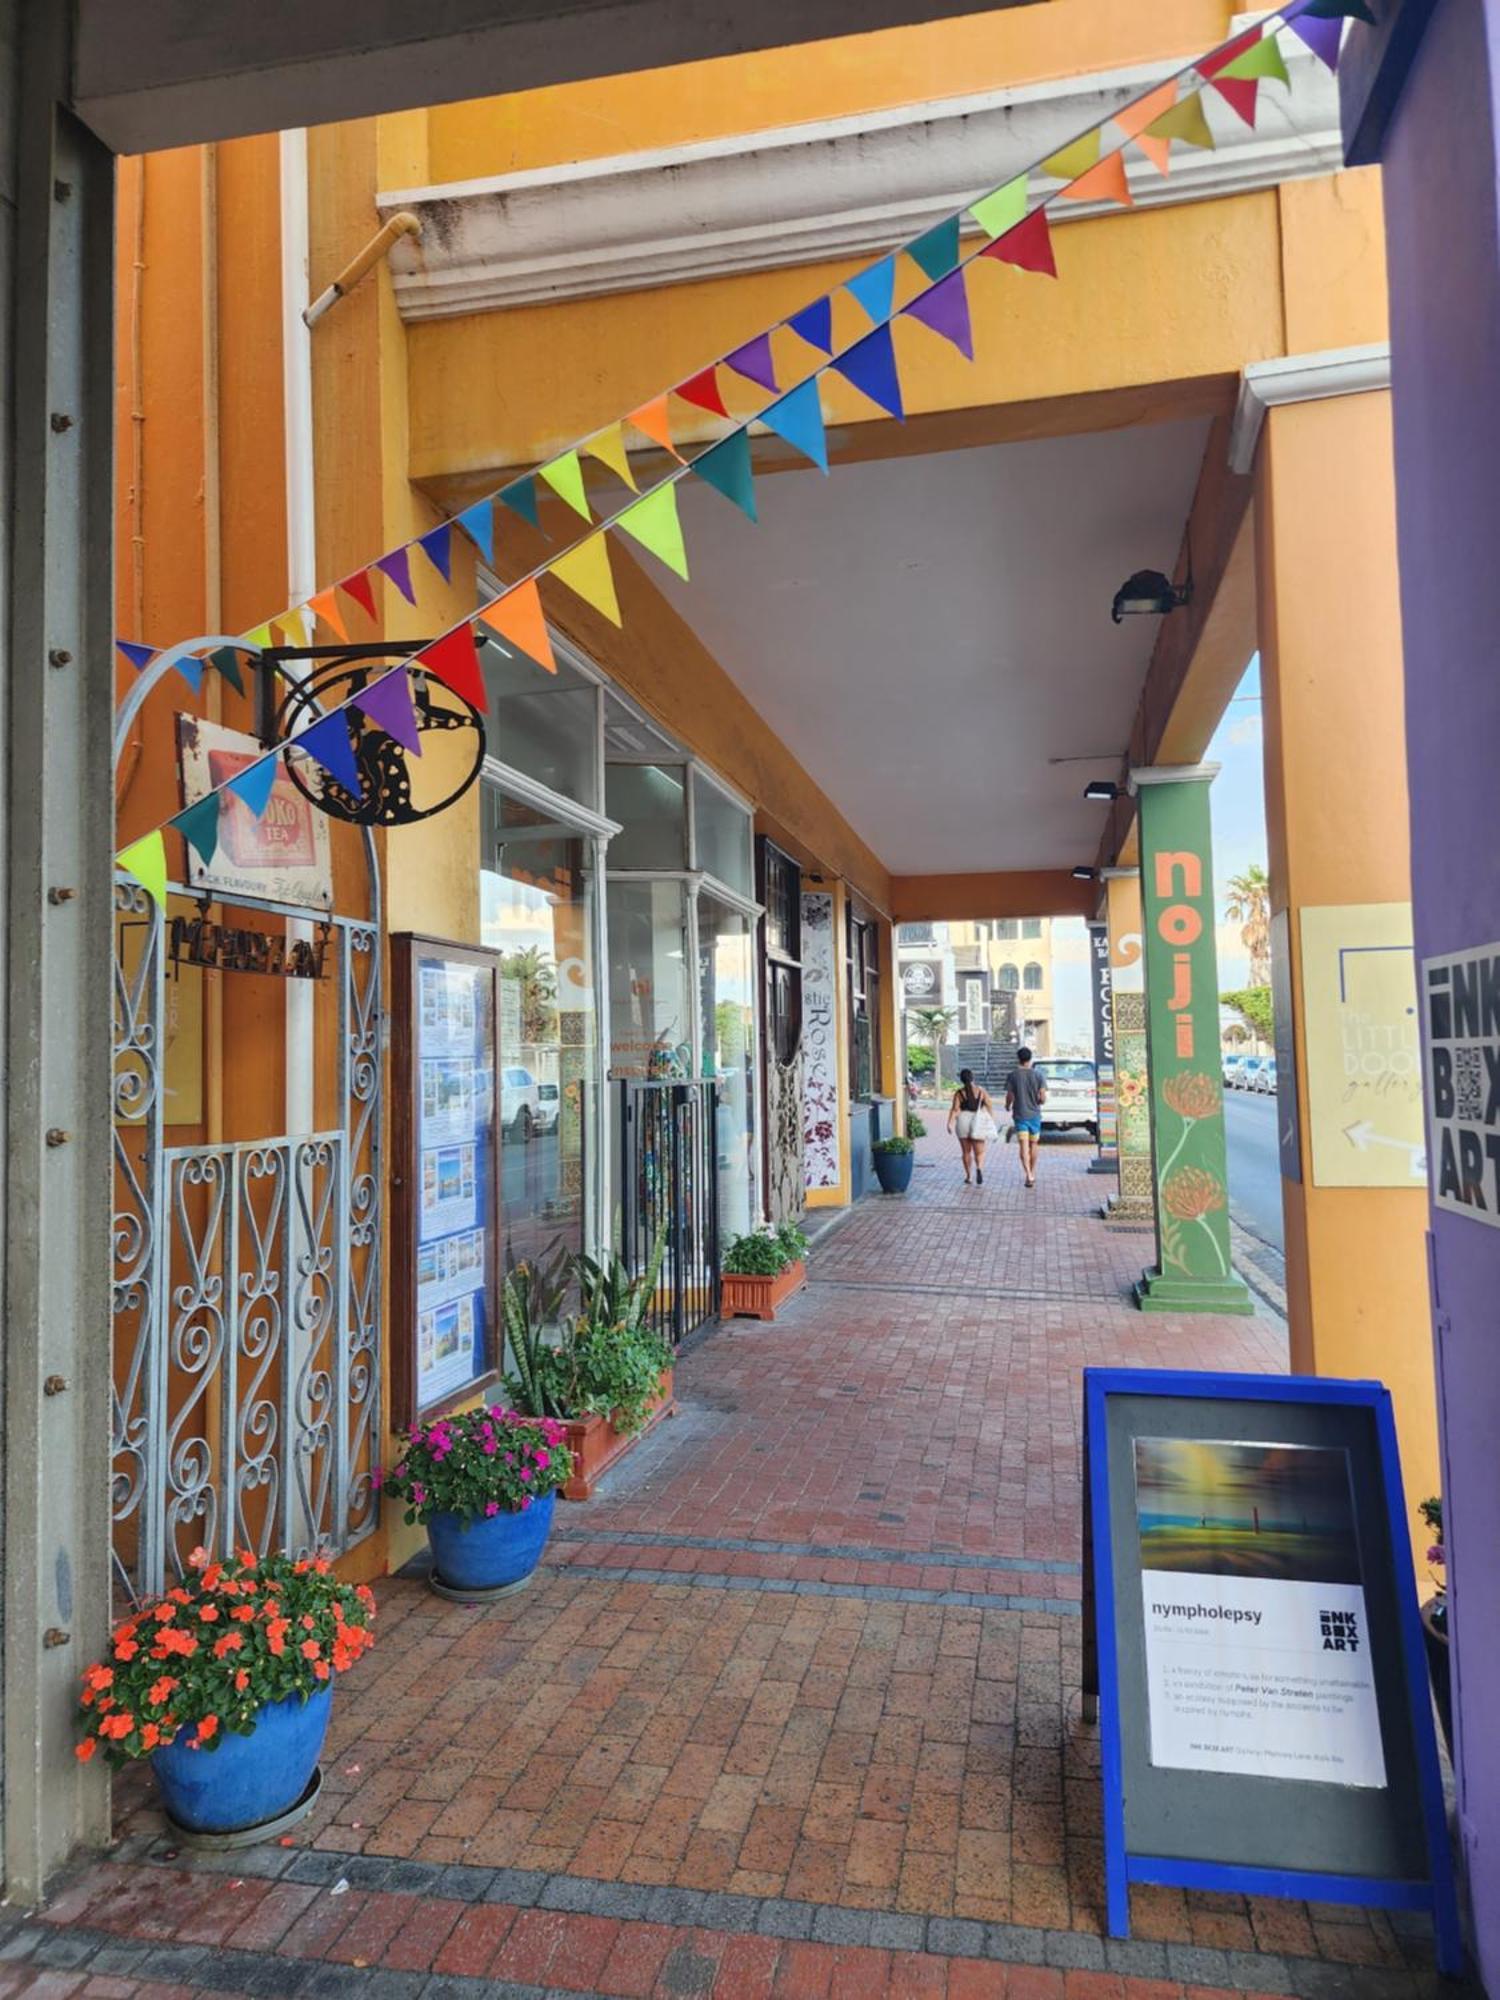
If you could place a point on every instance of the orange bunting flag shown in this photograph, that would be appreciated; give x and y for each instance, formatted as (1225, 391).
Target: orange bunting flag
(361, 590)
(586, 570)
(454, 661)
(1104, 182)
(325, 604)
(1132, 123)
(652, 419)
(609, 448)
(519, 619)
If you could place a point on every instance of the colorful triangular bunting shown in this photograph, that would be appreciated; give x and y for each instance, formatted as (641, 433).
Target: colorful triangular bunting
(565, 476)
(871, 367)
(1263, 59)
(478, 523)
(437, 546)
(586, 570)
(608, 446)
(755, 362)
(702, 391)
(325, 606)
(875, 289)
(798, 418)
(253, 785)
(936, 253)
(388, 704)
(1322, 35)
(653, 420)
(259, 639)
(138, 657)
(1074, 159)
(1104, 181)
(454, 661)
(518, 618)
(397, 566)
(1241, 96)
(227, 661)
(1133, 121)
(146, 860)
(654, 522)
(1219, 58)
(520, 497)
(360, 588)
(1187, 121)
(1002, 210)
(1337, 10)
(726, 467)
(327, 742)
(1028, 246)
(199, 827)
(945, 309)
(814, 324)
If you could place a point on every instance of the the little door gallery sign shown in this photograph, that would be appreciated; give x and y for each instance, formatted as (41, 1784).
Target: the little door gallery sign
(1461, 1002)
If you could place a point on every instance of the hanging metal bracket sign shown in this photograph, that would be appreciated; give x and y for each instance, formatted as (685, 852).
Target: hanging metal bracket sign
(235, 948)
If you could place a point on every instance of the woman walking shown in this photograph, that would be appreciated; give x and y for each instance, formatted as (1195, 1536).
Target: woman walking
(972, 1116)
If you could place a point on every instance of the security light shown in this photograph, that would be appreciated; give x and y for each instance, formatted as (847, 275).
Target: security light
(1083, 874)
(1149, 594)
(1102, 790)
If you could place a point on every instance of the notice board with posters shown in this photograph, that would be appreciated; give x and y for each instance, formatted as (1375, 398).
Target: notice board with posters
(445, 1182)
(1253, 1638)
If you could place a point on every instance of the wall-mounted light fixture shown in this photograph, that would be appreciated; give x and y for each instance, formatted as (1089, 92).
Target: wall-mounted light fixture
(1149, 594)
(1101, 790)
(1084, 874)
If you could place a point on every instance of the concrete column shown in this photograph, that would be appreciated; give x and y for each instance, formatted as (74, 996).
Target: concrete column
(1132, 1201)
(1192, 1272)
(1354, 1185)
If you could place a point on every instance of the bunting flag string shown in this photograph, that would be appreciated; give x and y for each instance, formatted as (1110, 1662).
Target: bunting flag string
(1016, 236)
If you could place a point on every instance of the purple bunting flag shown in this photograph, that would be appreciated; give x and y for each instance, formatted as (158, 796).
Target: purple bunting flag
(755, 362)
(945, 309)
(1321, 35)
(397, 566)
(387, 702)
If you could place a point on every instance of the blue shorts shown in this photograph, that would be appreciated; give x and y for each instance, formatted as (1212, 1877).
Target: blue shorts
(1031, 1125)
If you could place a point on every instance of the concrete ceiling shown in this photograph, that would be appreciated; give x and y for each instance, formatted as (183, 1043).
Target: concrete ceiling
(928, 632)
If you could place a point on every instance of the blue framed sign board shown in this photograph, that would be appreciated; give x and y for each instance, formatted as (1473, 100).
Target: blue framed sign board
(1252, 1636)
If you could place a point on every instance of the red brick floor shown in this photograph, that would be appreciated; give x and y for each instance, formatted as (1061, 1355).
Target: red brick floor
(792, 1709)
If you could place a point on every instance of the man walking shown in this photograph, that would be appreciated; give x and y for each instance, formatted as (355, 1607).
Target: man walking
(1025, 1095)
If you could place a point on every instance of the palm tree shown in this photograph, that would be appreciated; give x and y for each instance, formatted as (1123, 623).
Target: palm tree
(1249, 905)
(536, 977)
(933, 1023)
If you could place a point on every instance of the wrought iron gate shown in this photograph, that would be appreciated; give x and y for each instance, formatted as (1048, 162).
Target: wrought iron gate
(247, 1298)
(669, 1180)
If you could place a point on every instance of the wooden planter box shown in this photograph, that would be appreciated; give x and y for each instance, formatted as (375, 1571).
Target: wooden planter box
(596, 1444)
(758, 1298)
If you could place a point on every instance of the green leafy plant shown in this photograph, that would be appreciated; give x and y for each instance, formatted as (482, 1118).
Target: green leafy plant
(793, 1239)
(1253, 1005)
(531, 1301)
(760, 1253)
(603, 1360)
(227, 1641)
(895, 1144)
(920, 1061)
(478, 1464)
(916, 1127)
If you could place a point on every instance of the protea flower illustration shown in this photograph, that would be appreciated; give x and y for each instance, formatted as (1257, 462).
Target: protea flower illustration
(1193, 1194)
(1192, 1095)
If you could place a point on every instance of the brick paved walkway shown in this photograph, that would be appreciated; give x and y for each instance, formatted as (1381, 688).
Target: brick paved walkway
(792, 1709)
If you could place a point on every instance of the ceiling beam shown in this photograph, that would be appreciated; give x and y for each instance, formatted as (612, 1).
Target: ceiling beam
(1040, 892)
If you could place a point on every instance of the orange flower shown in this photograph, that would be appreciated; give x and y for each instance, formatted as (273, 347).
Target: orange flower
(99, 1677)
(84, 1750)
(276, 1635)
(170, 1640)
(162, 1612)
(1192, 1094)
(231, 1642)
(241, 1681)
(365, 1595)
(320, 1670)
(159, 1690)
(208, 1613)
(1192, 1192)
(150, 1736)
(117, 1725)
(243, 1612)
(311, 1650)
(126, 1649)
(207, 1727)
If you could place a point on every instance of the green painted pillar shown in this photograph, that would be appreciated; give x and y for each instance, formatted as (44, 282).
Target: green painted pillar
(1190, 1180)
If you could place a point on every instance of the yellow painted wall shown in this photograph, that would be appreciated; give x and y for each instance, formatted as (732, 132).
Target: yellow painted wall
(1336, 809)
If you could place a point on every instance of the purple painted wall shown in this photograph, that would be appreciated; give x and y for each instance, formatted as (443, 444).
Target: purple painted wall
(1443, 238)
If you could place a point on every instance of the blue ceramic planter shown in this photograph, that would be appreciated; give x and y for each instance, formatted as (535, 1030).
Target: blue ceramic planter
(893, 1171)
(491, 1553)
(247, 1779)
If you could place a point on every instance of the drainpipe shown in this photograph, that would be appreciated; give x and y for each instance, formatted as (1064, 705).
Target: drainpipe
(301, 549)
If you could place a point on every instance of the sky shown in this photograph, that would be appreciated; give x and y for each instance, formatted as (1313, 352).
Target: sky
(1238, 804)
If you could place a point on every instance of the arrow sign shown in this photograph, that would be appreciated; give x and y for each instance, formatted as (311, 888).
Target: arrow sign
(1362, 1136)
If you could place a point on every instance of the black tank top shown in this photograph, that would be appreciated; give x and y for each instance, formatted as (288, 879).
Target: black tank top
(969, 1095)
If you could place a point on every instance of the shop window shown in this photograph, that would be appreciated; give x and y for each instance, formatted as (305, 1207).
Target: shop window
(726, 985)
(1032, 977)
(862, 975)
(1010, 979)
(650, 802)
(781, 895)
(650, 1000)
(721, 836)
(1007, 930)
(546, 725)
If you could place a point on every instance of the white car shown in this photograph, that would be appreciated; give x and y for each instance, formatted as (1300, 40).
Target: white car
(1072, 1096)
(1249, 1069)
(1265, 1077)
(520, 1101)
(1232, 1066)
(549, 1103)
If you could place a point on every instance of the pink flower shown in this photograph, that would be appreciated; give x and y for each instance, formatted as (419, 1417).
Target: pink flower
(525, 1502)
(419, 1494)
(1435, 1553)
(491, 1507)
(543, 1458)
(377, 1479)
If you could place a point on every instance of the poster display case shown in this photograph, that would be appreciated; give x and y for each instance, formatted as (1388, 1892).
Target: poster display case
(445, 1189)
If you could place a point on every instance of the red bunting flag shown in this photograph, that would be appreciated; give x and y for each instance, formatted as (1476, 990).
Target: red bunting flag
(361, 590)
(1028, 246)
(703, 393)
(1221, 58)
(453, 660)
(1239, 93)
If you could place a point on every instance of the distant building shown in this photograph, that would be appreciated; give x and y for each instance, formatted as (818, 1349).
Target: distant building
(1003, 974)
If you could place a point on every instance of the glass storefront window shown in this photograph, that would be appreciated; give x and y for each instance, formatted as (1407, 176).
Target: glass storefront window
(721, 835)
(650, 803)
(546, 725)
(726, 985)
(537, 890)
(650, 1001)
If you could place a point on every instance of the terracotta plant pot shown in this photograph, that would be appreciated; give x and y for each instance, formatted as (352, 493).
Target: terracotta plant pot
(742, 1297)
(596, 1444)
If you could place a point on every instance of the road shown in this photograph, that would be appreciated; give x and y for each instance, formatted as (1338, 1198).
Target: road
(1254, 1164)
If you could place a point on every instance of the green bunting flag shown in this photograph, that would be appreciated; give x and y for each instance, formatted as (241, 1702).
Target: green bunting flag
(1263, 60)
(565, 476)
(653, 522)
(726, 467)
(1003, 209)
(146, 860)
(936, 253)
(1187, 121)
(199, 827)
(227, 660)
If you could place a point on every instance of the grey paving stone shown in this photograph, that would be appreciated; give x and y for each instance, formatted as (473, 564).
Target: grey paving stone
(409, 1878)
(1197, 1965)
(1015, 1944)
(520, 1886)
(955, 1937)
(174, 1964)
(22, 1941)
(687, 1973)
(66, 1947)
(784, 1919)
(617, 1899)
(1078, 1951)
(464, 1885)
(1136, 1958)
(313, 1865)
(1260, 1972)
(1315, 1980)
(395, 1985)
(331, 1982)
(675, 1906)
(723, 1911)
(838, 1926)
(373, 1871)
(568, 1892)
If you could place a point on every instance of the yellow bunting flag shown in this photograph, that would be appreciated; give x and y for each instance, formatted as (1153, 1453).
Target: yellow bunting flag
(1003, 209)
(586, 570)
(518, 617)
(325, 604)
(1075, 159)
(260, 638)
(1133, 121)
(609, 448)
(654, 523)
(146, 860)
(1104, 182)
(565, 476)
(1187, 121)
(654, 421)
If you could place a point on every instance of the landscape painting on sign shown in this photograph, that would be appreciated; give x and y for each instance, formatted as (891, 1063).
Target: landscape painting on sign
(1275, 1511)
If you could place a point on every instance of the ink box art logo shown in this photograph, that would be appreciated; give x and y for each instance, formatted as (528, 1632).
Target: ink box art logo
(1461, 1002)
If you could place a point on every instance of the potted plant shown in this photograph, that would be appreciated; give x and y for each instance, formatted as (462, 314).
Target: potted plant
(761, 1271)
(483, 1484)
(226, 1686)
(916, 1125)
(603, 1372)
(1435, 1624)
(893, 1163)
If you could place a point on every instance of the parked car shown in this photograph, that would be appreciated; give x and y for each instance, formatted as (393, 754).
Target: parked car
(548, 1104)
(1249, 1069)
(1072, 1096)
(520, 1101)
(1232, 1066)
(1265, 1077)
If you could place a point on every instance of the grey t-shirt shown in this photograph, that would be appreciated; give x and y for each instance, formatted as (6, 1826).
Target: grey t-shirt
(1026, 1093)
